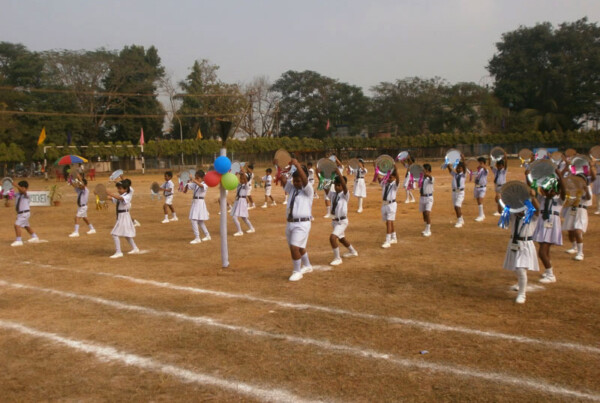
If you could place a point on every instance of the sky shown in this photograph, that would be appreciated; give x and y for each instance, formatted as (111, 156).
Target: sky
(359, 42)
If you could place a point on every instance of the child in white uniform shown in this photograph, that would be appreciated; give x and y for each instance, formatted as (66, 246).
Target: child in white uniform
(311, 177)
(499, 179)
(520, 253)
(124, 226)
(426, 199)
(83, 194)
(360, 187)
(339, 208)
(458, 192)
(250, 176)
(198, 211)
(596, 190)
(480, 187)
(388, 207)
(268, 183)
(576, 220)
(168, 188)
(299, 213)
(240, 206)
(23, 214)
(409, 185)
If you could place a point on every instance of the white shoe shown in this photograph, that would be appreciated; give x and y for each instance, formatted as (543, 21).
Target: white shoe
(520, 299)
(135, 251)
(350, 254)
(359, 210)
(251, 207)
(165, 221)
(597, 212)
(195, 241)
(497, 214)
(174, 219)
(406, 201)
(393, 241)
(327, 216)
(117, 255)
(427, 233)
(37, 240)
(74, 235)
(251, 231)
(386, 245)
(571, 251)
(206, 238)
(412, 201)
(296, 276)
(136, 223)
(579, 257)
(264, 205)
(93, 231)
(306, 269)
(17, 243)
(480, 218)
(515, 287)
(548, 279)
(285, 202)
(336, 262)
(238, 233)
(459, 224)
(275, 204)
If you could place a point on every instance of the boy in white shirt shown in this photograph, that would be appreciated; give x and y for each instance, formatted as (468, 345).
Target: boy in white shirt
(339, 209)
(388, 208)
(168, 187)
(268, 181)
(480, 187)
(83, 194)
(426, 199)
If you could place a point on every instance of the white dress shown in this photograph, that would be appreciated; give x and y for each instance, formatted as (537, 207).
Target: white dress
(240, 206)
(198, 210)
(549, 231)
(360, 187)
(523, 254)
(124, 225)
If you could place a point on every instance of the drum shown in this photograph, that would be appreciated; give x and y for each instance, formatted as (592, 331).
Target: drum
(384, 165)
(556, 158)
(595, 153)
(472, 165)
(580, 165)
(526, 156)
(575, 189)
(452, 159)
(514, 195)
(541, 153)
(497, 154)
(115, 175)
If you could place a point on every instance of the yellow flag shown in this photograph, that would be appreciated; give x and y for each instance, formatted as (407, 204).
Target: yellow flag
(199, 135)
(42, 136)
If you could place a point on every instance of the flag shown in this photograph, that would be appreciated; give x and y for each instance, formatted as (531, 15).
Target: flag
(142, 136)
(327, 127)
(69, 138)
(42, 136)
(199, 134)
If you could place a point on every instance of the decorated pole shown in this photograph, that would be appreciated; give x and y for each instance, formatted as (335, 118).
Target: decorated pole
(223, 168)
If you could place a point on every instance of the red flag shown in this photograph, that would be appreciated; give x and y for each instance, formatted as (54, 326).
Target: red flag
(142, 137)
(327, 127)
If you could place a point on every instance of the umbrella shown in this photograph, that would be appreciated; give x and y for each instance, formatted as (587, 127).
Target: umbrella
(70, 159)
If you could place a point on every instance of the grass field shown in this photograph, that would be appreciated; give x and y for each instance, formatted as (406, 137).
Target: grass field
(173, 325)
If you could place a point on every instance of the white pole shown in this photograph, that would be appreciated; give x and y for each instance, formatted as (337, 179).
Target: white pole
(223, 229)
(143, 161)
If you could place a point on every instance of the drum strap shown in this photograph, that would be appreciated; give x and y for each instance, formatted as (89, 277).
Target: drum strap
(546, 212)
(334, 203)
(387, 190)
(516, 233)
(291, 205)
(79, 198)
(19, 196)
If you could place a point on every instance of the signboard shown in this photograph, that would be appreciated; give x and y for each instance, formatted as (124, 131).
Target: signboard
(39, 198)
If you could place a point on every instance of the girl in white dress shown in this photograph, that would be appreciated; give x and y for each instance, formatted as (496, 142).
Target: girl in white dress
(360, 187)
(198, 210)
(240, 206)
(124, 226)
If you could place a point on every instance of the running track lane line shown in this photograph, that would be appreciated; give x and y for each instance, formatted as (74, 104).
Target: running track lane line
(460, 371)
(108, 353)
(558, 345)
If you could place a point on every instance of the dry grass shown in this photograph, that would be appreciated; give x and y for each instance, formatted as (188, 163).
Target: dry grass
(452, 278)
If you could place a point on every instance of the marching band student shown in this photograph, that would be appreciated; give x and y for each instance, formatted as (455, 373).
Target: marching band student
(409, 185)
(198, 211)
(268, 181)
(480, 187)
(240, 206)
(576, 219)
(548, 229)
(426, 199)
(339, 208)
(388, 207)
(299, 212)
(499, 179)
(83, 194)
(596, 190)
(168, 187)
(458, 192)
(250, 175)
(520, 253)
(311, 177)
(136, 223)
(360, 187)
(23, 214)
(326, 199)
(124, 226)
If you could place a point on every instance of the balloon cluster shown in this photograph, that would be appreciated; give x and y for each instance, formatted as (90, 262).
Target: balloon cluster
(221, 174)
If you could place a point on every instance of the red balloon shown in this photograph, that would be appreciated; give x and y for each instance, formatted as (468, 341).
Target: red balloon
(212, 178)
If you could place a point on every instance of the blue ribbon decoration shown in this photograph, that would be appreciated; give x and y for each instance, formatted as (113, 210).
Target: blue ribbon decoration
(455, 163)
(529, 213)
(504, 218)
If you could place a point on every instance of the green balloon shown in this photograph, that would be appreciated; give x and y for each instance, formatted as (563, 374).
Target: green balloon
(229, 181)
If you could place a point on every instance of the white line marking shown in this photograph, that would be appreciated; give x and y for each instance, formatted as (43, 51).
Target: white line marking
(558, 345)
(107, 353)
(324, 344)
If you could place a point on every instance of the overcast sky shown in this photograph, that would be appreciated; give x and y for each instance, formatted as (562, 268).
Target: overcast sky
(360, 42)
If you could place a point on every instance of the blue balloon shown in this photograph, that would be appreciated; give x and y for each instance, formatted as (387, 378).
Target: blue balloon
(222, 165)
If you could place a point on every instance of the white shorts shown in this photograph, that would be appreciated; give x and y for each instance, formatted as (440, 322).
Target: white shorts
(339, 228)
(82, 211)
(498, 189)
(22, 220)
(479, 193)
(574, 220)
(326, 196)
(425, 203)
(169, 200)
(458, 198)
(268, 190)
(388, 211)
(297, 233)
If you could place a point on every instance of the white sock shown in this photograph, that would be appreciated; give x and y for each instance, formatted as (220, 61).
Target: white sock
(336, 253)
(412, 198)
(91, 226)
(351, 249)
(76, 228)
(305, 261)
(394, 236)
(328, 210)
(19, 238)
(549, 272)
(428, 227)
(195, 228)
(297, 264)
(480, 210)
(166, 216)
(237, 223)
(204, 229)
(131, 243)
(580, 248)
(360, 203)
(248, 223)
(574, 245)
(117, 244)
(522, 276)
(35, 236)
(388, 238)
(286, 196)
(174, 215)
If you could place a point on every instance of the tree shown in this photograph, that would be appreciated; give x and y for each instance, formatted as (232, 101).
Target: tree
(551, 74)
(261, 119)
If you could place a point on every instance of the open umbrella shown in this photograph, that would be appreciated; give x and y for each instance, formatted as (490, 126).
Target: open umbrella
(70, 159)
